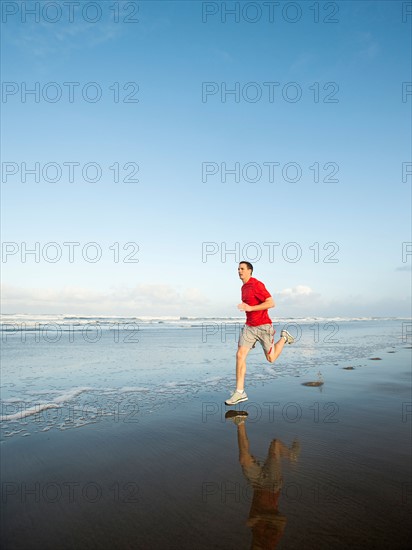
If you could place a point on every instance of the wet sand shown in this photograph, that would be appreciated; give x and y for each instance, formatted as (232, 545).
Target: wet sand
(311, 467)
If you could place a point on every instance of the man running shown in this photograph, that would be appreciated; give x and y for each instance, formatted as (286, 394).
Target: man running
(256, 301)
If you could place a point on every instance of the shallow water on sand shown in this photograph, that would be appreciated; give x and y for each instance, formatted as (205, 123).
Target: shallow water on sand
(85, 377)
(311, 467)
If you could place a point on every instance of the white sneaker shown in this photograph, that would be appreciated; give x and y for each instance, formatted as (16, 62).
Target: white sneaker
(236, 397)
(289, 337)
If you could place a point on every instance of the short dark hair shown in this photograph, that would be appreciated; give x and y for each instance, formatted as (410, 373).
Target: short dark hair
(249, 265)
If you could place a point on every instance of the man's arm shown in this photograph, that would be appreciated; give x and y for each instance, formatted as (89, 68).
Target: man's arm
(267, 304)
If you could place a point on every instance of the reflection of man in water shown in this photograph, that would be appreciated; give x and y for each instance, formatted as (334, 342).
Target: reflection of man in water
(265, 520)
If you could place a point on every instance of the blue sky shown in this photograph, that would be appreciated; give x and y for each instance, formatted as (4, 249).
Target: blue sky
(164, 59)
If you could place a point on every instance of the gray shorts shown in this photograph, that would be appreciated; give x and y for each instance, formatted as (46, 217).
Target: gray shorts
(266, 477)
(262, 333)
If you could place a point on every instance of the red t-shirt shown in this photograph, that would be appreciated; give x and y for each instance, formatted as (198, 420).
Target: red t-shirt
(254, 293)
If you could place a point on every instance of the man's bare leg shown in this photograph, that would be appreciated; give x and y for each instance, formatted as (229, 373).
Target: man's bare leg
(241, 355)
(245, 457)
(279, 449)
(239, 394)
(276, 350)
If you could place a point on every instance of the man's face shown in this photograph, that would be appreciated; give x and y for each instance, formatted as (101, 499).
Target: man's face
(244, 272)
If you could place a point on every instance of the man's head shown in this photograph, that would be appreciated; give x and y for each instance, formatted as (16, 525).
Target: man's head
(245, 271)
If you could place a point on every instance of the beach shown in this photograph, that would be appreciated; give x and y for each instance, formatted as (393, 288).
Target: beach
(125, 444)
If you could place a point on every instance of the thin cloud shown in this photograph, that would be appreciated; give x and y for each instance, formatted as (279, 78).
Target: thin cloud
(368, 47)
(44, 39)
(222, 55)
(143, 299)
(299, 293)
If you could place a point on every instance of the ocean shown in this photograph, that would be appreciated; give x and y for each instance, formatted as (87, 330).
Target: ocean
(62, 372)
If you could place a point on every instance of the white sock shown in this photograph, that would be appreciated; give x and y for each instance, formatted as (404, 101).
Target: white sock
(240, 391)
